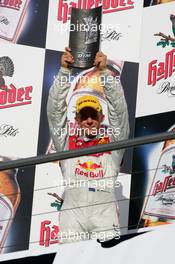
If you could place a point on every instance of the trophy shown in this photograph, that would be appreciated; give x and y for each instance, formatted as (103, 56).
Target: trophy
(84, 37)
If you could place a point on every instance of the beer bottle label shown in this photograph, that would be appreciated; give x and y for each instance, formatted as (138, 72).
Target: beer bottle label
(161, 200)
(12, 13)
(6, 215)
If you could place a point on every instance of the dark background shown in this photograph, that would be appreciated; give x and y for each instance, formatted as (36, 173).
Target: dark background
(148, 2)
(34, 33)
(48, 258)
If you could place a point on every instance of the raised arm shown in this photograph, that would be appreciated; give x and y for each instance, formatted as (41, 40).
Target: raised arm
(117, 106)
(57, 106)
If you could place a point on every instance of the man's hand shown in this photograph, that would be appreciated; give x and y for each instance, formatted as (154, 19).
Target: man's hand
(100, 61)
(67, 58)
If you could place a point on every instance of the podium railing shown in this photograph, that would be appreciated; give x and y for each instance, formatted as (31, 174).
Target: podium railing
(67, 154)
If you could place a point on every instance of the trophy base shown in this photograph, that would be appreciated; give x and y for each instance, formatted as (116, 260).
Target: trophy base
(83, 67)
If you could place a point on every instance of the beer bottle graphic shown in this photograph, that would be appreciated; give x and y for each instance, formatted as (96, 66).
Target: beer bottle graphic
(9, 201)
(160, 203)
(12, 14)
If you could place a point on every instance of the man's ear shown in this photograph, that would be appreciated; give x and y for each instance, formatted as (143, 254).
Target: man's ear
(77, 118)
(102, 118)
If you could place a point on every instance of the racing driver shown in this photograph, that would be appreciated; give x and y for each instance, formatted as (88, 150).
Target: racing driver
(88, 209)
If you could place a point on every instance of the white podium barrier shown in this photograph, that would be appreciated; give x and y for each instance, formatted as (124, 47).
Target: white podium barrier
(156, 246)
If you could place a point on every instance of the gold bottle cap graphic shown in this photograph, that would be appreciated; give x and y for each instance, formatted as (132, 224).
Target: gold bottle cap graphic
(169, 142)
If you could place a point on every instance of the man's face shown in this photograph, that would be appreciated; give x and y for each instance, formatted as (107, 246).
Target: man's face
(89, 121)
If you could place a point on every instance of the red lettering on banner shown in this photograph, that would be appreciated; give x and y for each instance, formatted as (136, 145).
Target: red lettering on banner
(108, 6)
(168, 183)
(28, 90)
(20, 94)
(89, 174)
(161, 70)
(15, 96)
(48, 234)
(90, 4)
(14, 4)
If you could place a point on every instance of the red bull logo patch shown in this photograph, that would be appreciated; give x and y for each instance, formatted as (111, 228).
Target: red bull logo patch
(89, 165)
(88, 168)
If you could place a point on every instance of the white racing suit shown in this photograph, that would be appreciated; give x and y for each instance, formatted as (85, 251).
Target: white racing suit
(89, 210)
